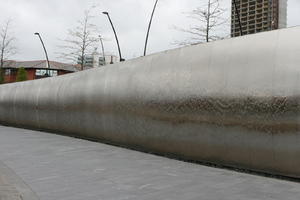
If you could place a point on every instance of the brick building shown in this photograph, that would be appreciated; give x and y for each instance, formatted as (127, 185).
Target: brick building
(36, 69)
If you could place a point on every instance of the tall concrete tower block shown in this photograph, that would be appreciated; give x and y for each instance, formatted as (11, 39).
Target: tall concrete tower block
(282, 12)
(258, 16)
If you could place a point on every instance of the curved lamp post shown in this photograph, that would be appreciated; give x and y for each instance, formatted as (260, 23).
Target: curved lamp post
(102, 46)
(106, 13)
(149, 26)
(238, 16)
(38, 34)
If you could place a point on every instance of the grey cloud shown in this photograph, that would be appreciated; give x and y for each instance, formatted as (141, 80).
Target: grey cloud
(53, 18)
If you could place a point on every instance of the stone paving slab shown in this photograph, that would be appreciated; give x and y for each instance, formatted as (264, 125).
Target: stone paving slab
(12, 187)
(58, 167)
(8, 192)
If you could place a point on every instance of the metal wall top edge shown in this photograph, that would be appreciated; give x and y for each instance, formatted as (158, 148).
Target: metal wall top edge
(265, 64)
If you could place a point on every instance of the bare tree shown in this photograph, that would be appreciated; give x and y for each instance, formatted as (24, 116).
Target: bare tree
(7, 47)
(80, 41)
(209, 19)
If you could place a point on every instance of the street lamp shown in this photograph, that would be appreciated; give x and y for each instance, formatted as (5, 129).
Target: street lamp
(38, 34)
(238, 16)
(101, 41)
(106, 13)
(149, 26)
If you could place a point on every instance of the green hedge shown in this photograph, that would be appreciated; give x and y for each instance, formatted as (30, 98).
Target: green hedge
(1, 76)
(21, 74)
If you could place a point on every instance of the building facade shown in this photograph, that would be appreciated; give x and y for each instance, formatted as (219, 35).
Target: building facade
(97, 60)
(258, 16)
(35, 69)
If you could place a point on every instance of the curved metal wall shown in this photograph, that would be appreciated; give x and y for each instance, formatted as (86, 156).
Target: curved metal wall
(234, 102)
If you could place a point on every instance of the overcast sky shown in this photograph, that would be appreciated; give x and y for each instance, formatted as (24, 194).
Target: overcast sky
(52, 18)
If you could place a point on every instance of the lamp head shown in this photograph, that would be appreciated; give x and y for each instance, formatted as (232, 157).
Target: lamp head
(105, 13)
(36, 33)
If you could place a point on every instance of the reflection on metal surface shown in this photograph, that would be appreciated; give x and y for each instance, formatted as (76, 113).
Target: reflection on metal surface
(234, 102)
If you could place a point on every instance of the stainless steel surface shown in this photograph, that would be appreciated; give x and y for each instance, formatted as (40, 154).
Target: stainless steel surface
(234, 102)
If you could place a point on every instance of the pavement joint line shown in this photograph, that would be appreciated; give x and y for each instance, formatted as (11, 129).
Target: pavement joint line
(12, 187)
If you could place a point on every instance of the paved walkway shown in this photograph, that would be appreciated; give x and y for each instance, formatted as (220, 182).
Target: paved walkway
(57, 167)
(7, 190)
(12, 186)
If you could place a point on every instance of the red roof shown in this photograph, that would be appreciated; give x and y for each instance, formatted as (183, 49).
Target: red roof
(40, 64)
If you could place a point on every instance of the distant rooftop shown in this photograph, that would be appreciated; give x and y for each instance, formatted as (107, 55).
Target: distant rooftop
(40, 64)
